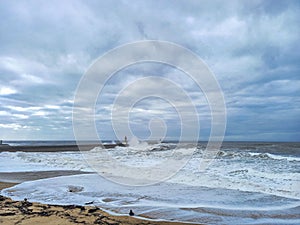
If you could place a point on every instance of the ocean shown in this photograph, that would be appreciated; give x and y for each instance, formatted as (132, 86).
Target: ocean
(247, 182)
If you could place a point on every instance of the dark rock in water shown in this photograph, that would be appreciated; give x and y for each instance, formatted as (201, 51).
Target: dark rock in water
(161, 148)
(131, 213)
(89, 203)
(75, 188)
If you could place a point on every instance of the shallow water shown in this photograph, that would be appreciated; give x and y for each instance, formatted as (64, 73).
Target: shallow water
(164, 200)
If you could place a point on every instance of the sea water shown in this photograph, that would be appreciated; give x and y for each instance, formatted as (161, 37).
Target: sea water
(247, 183)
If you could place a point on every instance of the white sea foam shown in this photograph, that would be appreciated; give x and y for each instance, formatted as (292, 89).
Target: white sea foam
(275, 157)
(42, 161)
(92, 187)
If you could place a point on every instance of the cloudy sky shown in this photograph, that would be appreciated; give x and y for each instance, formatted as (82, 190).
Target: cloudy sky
(252, 47)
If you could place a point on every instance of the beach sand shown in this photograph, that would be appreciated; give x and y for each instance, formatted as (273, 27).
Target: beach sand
(25, 212)
(6, 185)
(19, 177)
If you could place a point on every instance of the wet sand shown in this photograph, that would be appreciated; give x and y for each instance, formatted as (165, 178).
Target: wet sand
(18, 177)
(27, 213)
(6, 185)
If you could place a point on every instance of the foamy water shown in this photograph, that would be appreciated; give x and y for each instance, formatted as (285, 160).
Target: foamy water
(251, 183)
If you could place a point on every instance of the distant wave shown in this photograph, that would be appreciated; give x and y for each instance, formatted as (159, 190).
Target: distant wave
(271, 156)
(275, 157)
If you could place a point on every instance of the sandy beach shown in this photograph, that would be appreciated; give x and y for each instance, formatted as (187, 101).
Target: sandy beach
(25, 212)
(6, 185)
(18, 177)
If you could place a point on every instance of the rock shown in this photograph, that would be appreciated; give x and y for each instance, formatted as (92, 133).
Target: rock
(25, 210)
(82, 208)
(26, 203)
(75, 188)
(69, 206)
(99, 220)
(93, 210)
(44, 213)
(131, 213)
(89, 203)
(2, 198)
(8, 214)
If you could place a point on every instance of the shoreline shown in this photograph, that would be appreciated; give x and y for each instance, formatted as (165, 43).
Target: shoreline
(4, 185)
(19, 177)
(26, 212)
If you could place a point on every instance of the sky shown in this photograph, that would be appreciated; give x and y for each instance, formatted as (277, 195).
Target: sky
(252, 48)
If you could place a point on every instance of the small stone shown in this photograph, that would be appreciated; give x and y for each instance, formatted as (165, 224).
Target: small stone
(131, 213)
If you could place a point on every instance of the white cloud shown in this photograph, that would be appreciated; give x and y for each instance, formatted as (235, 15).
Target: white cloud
(51, 106)
(20, 65)
(40, 113)
(7, 90)
(32, 79)
(24, 109)
(4, 113)
(12, 126)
